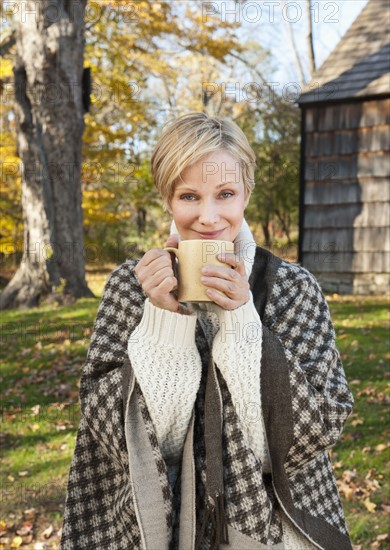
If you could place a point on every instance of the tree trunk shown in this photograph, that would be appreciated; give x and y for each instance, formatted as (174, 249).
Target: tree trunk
(48, 102)
(267, 234)
(141, 221)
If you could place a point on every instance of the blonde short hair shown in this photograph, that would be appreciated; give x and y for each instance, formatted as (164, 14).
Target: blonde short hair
(190, 137)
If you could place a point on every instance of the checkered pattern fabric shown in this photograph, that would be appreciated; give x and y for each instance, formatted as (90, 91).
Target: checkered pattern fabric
(321, 400)
(99, 512)
(252, 508)
(314, 488)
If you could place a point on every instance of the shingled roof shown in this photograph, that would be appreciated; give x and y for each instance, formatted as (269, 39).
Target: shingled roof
(359, 65)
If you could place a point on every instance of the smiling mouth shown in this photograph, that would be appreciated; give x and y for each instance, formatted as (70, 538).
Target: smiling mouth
(210, 234)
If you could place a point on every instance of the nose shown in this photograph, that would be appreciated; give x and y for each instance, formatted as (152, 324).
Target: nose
(208, 214)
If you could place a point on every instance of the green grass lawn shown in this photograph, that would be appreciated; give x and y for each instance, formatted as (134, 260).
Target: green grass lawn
(42, 353)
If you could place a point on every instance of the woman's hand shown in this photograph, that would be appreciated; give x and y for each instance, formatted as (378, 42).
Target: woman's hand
(155, 273)
(232, 282)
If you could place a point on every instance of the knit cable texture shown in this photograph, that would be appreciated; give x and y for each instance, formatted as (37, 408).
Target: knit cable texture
(168, 368)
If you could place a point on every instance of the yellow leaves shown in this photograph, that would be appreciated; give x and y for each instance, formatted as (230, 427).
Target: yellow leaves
(371, 506)
(6, 69)
(352, 488)
(16, 542)
(34, 427)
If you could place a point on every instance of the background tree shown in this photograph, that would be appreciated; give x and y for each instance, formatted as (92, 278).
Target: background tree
(49, 113)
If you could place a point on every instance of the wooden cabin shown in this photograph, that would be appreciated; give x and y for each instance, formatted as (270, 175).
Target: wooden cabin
(344, 237)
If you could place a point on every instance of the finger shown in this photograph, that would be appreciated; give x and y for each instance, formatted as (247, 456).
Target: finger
(158, 278)
(232, 260)
(222, 272)
(165, 287)
(173, 240)
(157, 259)
(152, 255)
(221, 299)
(230, 288)
(152, 275)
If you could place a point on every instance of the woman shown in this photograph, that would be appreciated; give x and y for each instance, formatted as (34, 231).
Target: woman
(207, 425)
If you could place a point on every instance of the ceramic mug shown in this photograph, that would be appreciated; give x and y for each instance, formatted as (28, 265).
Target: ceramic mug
(192, 255)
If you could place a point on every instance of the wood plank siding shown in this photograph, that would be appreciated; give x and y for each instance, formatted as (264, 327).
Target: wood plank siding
(346, 238)
(345, 162)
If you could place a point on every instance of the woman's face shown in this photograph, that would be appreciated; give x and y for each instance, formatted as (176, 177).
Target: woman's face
(209, 200)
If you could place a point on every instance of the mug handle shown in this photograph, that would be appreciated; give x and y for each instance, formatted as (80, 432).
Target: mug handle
(174, 250)
(176, 253)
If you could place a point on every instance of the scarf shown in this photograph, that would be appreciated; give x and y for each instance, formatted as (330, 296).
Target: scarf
(214, 510)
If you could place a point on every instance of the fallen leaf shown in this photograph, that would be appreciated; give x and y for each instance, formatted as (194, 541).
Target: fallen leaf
(34, 427)
(384, 536)
(357, 421)
(369, 505)
(345, 489)
(381, 447)
(25, 529)
(47, 533)
(23, 473)
(16, 542)
(348, 475)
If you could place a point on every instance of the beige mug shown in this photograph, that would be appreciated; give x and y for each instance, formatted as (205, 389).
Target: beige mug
(192, 255)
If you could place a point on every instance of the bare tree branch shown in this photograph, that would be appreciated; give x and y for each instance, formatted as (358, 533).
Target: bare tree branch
(310, 45)
(295, 50)
(251, 66)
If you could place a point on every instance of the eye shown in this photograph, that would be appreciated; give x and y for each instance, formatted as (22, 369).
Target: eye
(187, 197)
(227, 194)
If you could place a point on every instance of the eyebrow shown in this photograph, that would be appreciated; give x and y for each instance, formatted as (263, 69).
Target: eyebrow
(196, 190)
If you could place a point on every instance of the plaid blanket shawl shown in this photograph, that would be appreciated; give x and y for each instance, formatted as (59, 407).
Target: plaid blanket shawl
(118, 494)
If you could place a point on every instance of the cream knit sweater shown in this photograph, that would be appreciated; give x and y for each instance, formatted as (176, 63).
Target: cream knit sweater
(167, 366)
